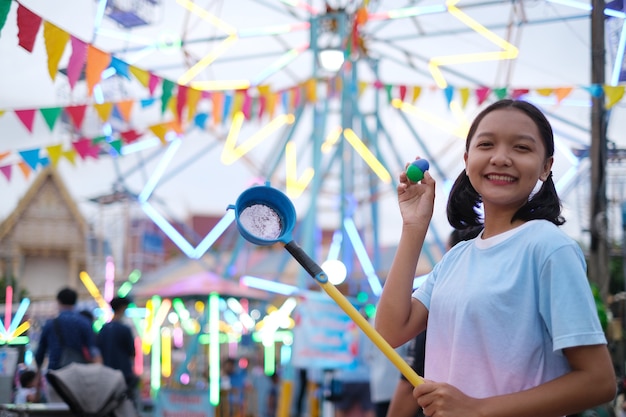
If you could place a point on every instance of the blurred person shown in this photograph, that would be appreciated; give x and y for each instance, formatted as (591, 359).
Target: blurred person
(272, 395)
(117, 346)
(96, 357)
(354, 398)
(383, 376)
(28, 389)
(65, 339)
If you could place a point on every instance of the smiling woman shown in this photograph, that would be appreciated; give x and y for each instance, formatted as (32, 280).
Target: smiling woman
(521, 269)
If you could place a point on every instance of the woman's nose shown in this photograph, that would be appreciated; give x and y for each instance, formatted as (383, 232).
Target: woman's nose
(501, 157)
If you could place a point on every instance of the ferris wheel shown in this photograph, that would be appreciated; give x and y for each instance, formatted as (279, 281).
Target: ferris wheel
(329, 100)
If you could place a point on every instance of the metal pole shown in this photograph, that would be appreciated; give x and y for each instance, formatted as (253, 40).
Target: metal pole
(598, 249)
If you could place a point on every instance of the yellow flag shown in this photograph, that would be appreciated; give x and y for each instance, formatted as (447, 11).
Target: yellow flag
(613, 94)
(55, 39)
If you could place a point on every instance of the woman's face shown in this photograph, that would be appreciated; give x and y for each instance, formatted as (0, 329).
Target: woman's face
(505, 159)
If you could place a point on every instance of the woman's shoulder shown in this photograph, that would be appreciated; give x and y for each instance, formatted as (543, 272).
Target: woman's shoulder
(548, 235)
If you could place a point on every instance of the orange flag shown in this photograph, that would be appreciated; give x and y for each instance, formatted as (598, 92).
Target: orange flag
(56, 40)
(125, 108)
(25, 169)
(97, 61)
(562, 92)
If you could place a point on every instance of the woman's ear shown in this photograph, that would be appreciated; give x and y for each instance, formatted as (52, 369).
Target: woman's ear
(547, 169)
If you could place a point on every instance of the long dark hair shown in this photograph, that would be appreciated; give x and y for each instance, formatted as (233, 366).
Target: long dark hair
(464, 202)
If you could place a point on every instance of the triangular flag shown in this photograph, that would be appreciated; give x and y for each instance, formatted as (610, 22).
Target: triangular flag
(311, 90)
(5, 8)
(200, 120)
(76, 114)
(28, 24)
(130, 136)
(449, 93)
(562, 92)
(595, 90)
(86, 148)
(27, 117)
(70, 155)
(272, 99)
(4, 155)
(193, 97)
(500, 92)
(613, 94)
(228, 99)
(117, 145)
(56, 40)
(77, 60)
(481, 94)
(518, 92)
(545, 92)
(31, 157)
(464, 92)
(167, 88)
(153, 81)
(237, 103)
(247, 105)
(181, 101)
(125, 108)
(120, 67)
(25, 169)
(217, 101)
(402, 92)
(97, 61)
(141, 75)
(416, 93)
(6, 170)
(104, 110)
(54, 153)
(388, 88)
(160, 130)
(361, 86)
(50, 115)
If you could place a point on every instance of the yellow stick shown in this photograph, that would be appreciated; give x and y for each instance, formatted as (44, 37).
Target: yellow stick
(370, 332)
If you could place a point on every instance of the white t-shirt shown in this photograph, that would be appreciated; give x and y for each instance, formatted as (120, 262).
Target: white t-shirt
(502, 309)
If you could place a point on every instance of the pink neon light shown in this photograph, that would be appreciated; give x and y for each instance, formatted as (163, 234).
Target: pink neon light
(7, 307)
(138, 357)
(109, 279)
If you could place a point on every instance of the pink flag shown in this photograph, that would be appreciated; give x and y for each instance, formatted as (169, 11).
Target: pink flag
(6, 171)
(77, 60)
(27, 118)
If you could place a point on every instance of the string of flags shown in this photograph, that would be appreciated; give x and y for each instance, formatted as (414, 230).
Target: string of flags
(183, 107)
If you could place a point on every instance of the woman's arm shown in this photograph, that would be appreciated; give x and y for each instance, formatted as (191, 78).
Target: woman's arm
(591, 382)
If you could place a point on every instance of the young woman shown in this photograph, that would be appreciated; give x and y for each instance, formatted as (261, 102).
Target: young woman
(512, 326)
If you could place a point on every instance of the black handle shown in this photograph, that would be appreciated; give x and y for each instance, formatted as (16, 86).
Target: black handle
(303, 259)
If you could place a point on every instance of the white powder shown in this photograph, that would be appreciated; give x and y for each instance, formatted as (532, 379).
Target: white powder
(261, 221)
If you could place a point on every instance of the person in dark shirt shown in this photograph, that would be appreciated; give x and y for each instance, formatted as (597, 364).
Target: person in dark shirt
(117, 346)
(69, 329)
